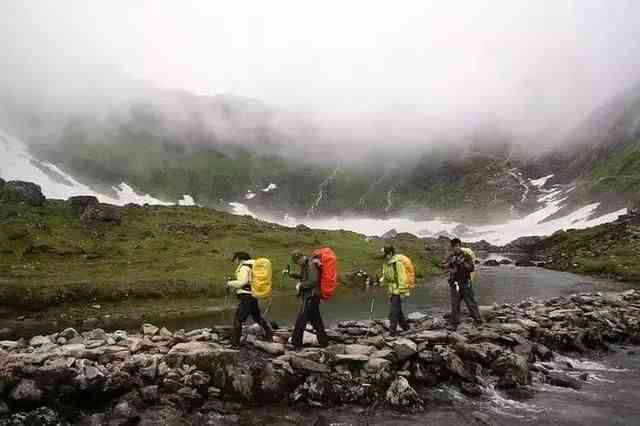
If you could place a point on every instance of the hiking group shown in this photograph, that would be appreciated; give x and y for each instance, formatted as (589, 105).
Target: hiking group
(317, 279)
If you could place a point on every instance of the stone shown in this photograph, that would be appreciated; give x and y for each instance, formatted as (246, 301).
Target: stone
(404, 349)
(100, 213)
(375, 364)
(125, 411)
(164, 332)
(528, 324)
(79, 203)
(274, 349)
(513, 369)
(557, 378)
(150, 394)
(491, 262)
(39, 341)
(27, 391)
(22, 192)
(416, 317)
(351, 358)
(384, 353)
(309, 366)
(149, 330)
(358, 350)
(400, 394)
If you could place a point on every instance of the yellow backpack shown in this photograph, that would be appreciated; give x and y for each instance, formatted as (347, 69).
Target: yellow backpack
(473, 256)
(409, 269)
(261, 278)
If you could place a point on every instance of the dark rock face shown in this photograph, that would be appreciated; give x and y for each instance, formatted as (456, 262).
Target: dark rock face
(525, 263)
(506, 262)
(100, 213)
(390, 234)
(491, 262)
(79, 203)
(22, 192)
(167, 374)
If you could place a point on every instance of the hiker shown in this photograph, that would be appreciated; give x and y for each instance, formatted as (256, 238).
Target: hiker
(461, 266)
(308, 289)
(394, 275)
(248, 305)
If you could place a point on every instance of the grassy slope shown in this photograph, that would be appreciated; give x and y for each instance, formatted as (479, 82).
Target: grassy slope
(620, 173)
(611, 250)
(47, 257)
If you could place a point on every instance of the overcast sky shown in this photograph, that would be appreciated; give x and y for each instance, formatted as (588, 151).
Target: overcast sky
(554, 60)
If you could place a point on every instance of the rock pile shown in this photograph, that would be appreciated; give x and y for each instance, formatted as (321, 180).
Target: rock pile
(187, 371)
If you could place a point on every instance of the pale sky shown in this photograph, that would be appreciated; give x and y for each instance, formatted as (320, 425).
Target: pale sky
(552, 60)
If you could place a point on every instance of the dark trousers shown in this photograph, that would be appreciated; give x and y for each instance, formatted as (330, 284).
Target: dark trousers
(396, 316)
(465, 293)
(309, 313)
(248, 306)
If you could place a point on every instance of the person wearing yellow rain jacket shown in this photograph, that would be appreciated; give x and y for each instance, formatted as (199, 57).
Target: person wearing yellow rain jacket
(395, 277)
(248, 304)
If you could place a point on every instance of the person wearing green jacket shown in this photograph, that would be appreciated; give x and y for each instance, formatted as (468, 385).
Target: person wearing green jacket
(395, 277)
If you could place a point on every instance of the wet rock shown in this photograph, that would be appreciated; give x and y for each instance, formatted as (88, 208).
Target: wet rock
(506, 262)
(491, 262)
(404, 349)
(557, 378)
(400, 394)
(525, 263)
(471, 389)
(39, 341)
(125, 411)
(27, 391)
(513, 370)
(351, 358)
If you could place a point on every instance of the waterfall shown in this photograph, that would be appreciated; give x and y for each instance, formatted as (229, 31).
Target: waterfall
(321, 190)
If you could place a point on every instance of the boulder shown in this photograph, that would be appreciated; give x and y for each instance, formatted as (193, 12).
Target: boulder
(150, 329)
(491, 262)
(404, 349)
(375, 364)
(557, 378)
(27, 391)
(100, 213)
(79, 203)
(22, 192)
(390, 234)
(525, 263)
(513, 369)
(150, 394)
(506, 262)
(205, 356)
(400, 394)
(39, 341)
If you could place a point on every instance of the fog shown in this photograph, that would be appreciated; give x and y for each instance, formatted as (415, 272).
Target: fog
(352, 73)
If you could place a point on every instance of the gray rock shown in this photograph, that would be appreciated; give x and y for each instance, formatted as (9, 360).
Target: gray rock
(358, 350)
(39, 341)
(22, 192)
(400, 394)
(125, 411)
(4, 408)
(404, 349)
(150, 394)
(309, 366)
(100, 213)
(79, 203)
(557, 378)
(353, 358)
(375, 364)
(149, 330)
(275, 349)
(27, 391)
(416, 317)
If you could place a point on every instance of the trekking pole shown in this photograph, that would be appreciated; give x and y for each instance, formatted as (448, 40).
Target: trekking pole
(373, 304)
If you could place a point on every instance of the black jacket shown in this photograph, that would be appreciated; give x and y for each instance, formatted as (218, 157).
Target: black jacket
(309, 277)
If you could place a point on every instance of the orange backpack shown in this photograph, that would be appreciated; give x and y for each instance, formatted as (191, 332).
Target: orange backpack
(328, 272)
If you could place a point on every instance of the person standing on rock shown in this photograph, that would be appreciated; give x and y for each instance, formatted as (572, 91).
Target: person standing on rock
(248, 305)
(308, 289)
(461, 265)
(394, 275)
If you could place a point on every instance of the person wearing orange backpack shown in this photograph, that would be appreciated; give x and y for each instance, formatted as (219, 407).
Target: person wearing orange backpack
(395, 276)
(248, 305)
(309, 291)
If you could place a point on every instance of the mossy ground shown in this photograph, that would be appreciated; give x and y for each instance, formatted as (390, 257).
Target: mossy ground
(611, 250)
(48, 258)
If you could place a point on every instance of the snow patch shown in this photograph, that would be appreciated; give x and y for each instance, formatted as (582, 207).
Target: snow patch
(187, 200)
(270, 187)
(539, 183)
(249, 195)
(241, 209)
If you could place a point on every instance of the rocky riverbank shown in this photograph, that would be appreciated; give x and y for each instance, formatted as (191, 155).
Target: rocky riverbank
(118, 378)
